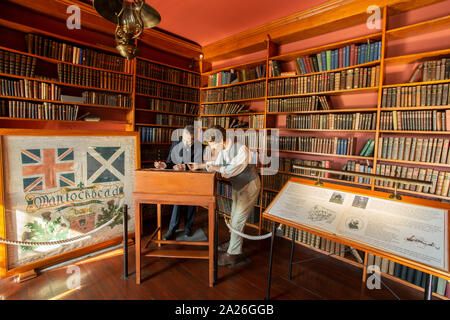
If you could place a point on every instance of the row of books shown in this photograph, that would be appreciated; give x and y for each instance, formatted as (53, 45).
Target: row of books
(275, 181)
(333, 59)
(17, 64)
(319, 145)
(368, 148)
(58, 50)
(440, 179)
(356, 166)
(224, 108)
(107, 99)
(287, 165)
(250, 138)
(72, 74)
(432, 70)
(225, 122)
(416, 96)
(325, 82)
(310, 103)
(155, 154)
(416, 277)
(425, 120)
(172, 106)
(164, 90)
(155, 135)
(173, 120)
(426, 150)
(160, 72)
(235, 76)
(346, 121)
(44, 111)
(315, 241)
(30, 89)
(267, 198)
(224, 189)
(256, 121)
(245, 91)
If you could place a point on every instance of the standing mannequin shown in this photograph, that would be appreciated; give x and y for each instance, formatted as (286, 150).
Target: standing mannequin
(232, 162)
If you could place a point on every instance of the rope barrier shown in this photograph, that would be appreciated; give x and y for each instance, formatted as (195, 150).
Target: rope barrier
(57, 242)
(246, 236)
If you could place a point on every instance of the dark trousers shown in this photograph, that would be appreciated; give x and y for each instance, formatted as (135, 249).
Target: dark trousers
(177, 211)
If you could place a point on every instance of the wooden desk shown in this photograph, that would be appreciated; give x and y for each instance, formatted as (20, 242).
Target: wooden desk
(153, 186)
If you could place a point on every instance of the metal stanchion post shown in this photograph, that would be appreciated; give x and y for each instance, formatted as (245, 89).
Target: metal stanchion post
(125, 242)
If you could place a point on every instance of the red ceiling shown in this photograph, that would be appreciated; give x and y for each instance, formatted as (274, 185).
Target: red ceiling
(207, 21)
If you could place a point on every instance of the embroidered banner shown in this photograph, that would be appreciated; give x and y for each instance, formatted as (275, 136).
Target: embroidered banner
(60, 187)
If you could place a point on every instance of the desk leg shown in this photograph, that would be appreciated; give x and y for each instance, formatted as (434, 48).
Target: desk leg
(216, 242)
(291, 258)
(269, 277)
(158, 217)
(211, 240)
(137, 230)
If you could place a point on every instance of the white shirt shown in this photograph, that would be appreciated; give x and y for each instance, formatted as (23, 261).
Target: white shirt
(234, 165)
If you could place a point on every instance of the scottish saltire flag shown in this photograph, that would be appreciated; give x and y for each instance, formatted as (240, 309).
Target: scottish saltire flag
(47, 168)
(105, 164)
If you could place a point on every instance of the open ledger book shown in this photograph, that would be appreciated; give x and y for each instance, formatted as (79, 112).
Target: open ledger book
(415, 232)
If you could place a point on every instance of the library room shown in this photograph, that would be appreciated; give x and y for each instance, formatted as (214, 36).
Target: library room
(221, 157)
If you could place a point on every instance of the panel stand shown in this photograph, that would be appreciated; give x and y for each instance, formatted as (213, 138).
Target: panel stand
(269, 277)
(125, 242)
(291, 258)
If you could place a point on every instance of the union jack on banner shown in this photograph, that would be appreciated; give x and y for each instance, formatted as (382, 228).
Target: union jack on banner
(47, 168)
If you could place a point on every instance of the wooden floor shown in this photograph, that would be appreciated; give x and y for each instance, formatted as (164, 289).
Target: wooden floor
(325, 278)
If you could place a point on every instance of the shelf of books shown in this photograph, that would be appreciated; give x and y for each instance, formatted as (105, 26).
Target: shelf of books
(365, 104)
(48, 81)
(51, 81)
(167, 98)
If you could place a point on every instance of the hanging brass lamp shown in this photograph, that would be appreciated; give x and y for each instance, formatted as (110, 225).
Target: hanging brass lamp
(131, 17)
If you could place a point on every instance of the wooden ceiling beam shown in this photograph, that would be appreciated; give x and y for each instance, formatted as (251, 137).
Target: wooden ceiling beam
(333, 15)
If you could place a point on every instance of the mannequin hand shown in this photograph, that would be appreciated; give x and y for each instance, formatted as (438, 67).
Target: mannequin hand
(179, 167)
(160, 165)
(214, 168)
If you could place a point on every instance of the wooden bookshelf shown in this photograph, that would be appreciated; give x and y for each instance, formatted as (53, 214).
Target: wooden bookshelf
(167, 112)
(164, 98)
(361, 65)
(385, 36)
(320, 130)
(147, 114)
(329, 93)
(361, 110)
(237, 100)
(232, 114)
(234, 84)
(112, 117)
(55, 61)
